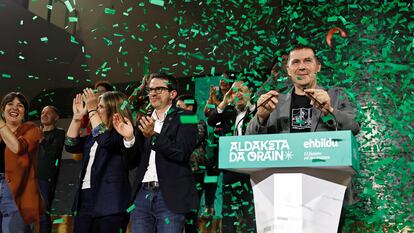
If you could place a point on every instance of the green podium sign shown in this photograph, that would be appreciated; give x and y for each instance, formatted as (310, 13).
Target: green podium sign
(314, 149)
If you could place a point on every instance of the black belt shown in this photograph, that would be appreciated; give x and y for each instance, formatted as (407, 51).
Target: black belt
(152, 184)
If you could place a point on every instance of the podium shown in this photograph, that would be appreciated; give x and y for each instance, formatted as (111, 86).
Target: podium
(298, 180)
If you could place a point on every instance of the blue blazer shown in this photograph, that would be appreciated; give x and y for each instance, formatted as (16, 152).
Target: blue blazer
(109, 175)
(173, 147)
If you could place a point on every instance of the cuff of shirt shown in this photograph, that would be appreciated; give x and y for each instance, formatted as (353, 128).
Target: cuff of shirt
(100, 129)
(219, 110)
(129, 144)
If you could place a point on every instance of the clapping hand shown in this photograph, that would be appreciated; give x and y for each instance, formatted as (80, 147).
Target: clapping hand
(79, 110)
(123, 126)
(90, 98)
(146, 125)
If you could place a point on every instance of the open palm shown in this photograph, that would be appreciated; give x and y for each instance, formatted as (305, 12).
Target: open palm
(79, 110)
(123, 126)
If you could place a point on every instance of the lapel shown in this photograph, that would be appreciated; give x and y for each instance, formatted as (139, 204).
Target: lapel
(168, 118)
(249, 115)
(284, 110)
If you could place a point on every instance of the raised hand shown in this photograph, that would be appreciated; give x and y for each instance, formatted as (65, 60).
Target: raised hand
(79, 110)
(212, 99)
(227, 99)
(123, 126)
(90, 98)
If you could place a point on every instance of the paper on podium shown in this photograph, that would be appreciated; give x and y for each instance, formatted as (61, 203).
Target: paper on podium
(297, 203)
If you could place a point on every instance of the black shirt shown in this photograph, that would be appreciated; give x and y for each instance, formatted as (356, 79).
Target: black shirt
(2, 162)
(300, 114)
(50, 154)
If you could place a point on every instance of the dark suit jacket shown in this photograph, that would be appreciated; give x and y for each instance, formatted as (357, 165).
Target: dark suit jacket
(173, 147)
(225, 126)
(226, 120)
(109, 175)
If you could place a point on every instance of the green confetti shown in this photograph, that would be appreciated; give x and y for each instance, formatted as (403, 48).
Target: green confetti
(124, 104)
(6, 75)
(109, 11)
(186, 119)
(44, 39)
(157, 2)
(167, 221)
(73, 19)
(190, 102)
(327, 118)
(58, 221)
(131, 208)
(69, 6)
(210, 179)
(32, 113)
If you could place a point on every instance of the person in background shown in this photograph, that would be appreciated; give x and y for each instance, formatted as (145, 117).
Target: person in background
(140, 100)
(164, 188)
(20, 201)
(216, 96)
(49, 160)
(275, 74)
(232, 116)
(305, 106)
(197, 159)
(102, 198)
(100, 87)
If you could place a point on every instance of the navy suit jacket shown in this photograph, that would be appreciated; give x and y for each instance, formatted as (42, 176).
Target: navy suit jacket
(109, 175)
(173, 147)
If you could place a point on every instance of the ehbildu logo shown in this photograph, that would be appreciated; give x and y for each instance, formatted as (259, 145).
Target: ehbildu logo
(267, 150)
(320, 143)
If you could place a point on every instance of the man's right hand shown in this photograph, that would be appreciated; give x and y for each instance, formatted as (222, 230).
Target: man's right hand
(227, 99)
(266, 104)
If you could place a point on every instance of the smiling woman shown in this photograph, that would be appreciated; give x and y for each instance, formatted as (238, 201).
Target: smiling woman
(20, 201)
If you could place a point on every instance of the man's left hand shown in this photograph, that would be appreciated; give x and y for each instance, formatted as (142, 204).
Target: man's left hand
(146, 125)
(323, 98)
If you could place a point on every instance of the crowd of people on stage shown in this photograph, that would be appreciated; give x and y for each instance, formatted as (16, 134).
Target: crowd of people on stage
(146, 133)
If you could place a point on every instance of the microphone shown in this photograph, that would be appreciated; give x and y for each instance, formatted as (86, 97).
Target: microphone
(320, 107)
(257, 107)
(319, 104)
(267, 100)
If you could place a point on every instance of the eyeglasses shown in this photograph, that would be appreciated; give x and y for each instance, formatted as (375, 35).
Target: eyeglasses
(157, 90)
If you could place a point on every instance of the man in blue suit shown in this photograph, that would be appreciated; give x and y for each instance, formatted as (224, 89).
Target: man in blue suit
(164, 188)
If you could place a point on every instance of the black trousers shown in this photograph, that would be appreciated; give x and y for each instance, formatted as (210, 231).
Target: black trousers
(85, 222)
(191, 223)
(238, 206)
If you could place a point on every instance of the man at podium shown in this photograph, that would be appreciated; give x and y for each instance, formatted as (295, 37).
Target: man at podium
(306, 107)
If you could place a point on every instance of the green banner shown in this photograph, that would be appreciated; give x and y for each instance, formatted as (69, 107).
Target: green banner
(315, 149)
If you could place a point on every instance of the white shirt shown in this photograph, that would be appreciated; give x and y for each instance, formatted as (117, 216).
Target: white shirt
(86, 183)
(151, 173)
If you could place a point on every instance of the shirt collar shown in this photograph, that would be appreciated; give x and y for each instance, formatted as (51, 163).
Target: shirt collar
(155, 116)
